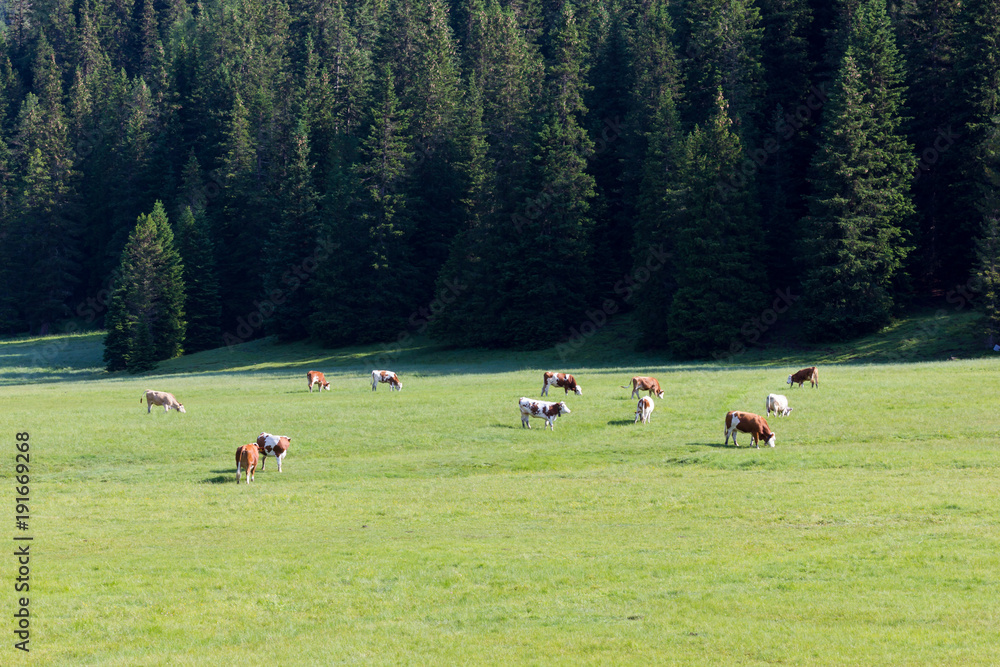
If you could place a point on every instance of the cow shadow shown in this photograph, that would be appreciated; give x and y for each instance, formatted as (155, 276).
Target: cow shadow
(506, 426)
(715, 444)
(219, 479)
(621, 422)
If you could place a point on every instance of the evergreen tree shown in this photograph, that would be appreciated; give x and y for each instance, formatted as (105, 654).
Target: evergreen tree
(856, 230)
(202, 306)
(145, 320)
(292, 241)
(988, 242)
(717, 253)
(548, 242)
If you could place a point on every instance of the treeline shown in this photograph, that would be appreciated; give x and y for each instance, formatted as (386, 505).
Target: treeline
(498, 173)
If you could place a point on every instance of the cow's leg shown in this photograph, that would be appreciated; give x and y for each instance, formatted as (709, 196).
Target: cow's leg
(279, 462)
(149, 406)
(263, 460)
(374, 383)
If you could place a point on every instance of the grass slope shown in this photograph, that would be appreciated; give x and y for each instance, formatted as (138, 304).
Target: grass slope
(427, 527)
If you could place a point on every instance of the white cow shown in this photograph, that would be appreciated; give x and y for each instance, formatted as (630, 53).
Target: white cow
(386, 376)
(541, 409)
(644, 409)
(163, 398)
(778, 404)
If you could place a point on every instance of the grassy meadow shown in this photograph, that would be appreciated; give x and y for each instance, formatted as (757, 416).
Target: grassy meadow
(428, 527)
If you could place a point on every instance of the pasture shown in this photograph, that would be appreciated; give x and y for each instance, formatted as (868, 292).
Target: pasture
(427, 527)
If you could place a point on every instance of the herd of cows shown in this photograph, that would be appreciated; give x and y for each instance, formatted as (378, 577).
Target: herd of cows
(752, 424)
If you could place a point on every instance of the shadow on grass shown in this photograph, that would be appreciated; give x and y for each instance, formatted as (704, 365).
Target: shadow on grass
(218, 479)
(504, 426)
(621, 422)
(712, 444)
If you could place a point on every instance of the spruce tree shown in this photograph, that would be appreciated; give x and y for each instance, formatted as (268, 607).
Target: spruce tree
(987, 245)
(543, 291)
(202, 306)
(145, 320)
(717, 256)
(856, 234)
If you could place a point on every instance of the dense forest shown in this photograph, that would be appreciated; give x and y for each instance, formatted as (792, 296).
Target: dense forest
(500, 173)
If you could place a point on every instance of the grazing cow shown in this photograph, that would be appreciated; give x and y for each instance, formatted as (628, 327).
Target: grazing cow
(567, 382)
(644, 409)
(275, 445)
(163, 398)
(246, 458)
(541, 409)
(747, 422)
(386, 376)
(315, 377)
(809, 375)
(779, 404)
(641, 383)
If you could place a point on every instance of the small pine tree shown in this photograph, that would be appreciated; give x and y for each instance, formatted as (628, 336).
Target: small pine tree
(203, 307)
(145, 320)
(988, 243)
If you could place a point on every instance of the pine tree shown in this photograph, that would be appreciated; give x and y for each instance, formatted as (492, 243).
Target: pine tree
(145, 320)
(202, 306)
(987, 245)
(541, 282)
(856, 231)
(717, 254)
(292, 241)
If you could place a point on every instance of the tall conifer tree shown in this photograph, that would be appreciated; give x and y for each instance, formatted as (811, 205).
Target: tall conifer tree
(856, 233)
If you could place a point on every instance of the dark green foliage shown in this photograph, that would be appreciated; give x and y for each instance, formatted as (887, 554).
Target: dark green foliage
(145, 320)
(717, 259)
(988, 242)
(202, 306)
(856, 234)
(491, 169)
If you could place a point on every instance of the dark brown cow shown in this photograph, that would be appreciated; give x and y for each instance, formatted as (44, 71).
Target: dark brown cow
(246, 458)
(810, 375)
(643, 383)
(275, 445)
(315, 377)
(747, 422)
(564, 380)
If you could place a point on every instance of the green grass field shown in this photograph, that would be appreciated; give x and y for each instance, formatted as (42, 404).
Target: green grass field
(428, 527)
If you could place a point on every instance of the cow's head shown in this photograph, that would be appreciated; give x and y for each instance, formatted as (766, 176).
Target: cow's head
(326, 385)
(578, 390)
(180, 408)
(563, 409)
(789, 380)
(770, 439)
(659, 393)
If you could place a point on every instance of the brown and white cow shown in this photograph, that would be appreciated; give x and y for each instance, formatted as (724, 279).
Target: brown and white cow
(644, 409)
(747, 422)
(273, 445)
(386, 376)
(810, 375)
(541, 409)
(643, 383)
(779, 404)
(315, 377)
(564, 380)
(163, 398)
(246, 458)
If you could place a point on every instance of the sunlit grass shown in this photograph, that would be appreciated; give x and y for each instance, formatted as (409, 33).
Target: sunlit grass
(427, 527)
